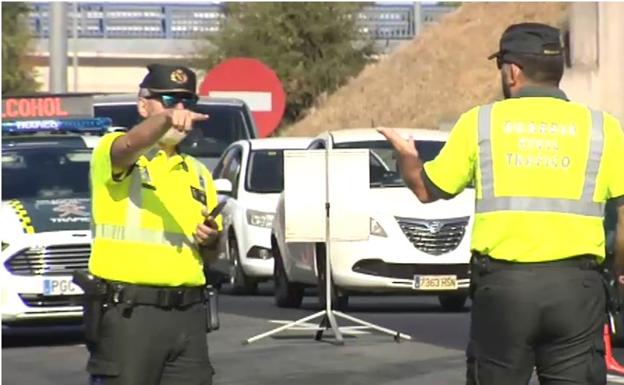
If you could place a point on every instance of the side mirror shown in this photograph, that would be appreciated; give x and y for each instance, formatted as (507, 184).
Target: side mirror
(223, 186)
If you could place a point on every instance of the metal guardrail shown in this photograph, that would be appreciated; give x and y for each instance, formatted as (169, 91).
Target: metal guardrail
(189, 21)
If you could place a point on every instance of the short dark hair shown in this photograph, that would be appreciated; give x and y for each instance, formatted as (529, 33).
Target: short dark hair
(547, 69)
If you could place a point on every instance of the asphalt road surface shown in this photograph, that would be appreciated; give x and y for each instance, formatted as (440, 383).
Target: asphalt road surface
(435, 356)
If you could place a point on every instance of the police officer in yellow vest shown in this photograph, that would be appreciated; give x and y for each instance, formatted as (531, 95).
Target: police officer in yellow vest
(543, 168)
(151, 240)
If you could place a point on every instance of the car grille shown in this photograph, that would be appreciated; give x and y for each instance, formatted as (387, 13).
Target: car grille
(50, 260)
(380, 268)
(39, 300)
(434, 237)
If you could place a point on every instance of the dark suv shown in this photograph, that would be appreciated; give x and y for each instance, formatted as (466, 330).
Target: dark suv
(230, 120)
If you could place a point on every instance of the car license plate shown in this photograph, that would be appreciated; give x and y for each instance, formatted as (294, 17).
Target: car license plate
(435, 282)
(60, 286)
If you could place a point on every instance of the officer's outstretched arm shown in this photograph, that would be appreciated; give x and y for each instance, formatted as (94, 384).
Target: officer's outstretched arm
(412, 171)
(128, 148)
(619, 242)
(410, 163)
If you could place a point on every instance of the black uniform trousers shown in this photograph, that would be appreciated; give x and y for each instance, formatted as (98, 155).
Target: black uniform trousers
(150, 345)
(547, 316)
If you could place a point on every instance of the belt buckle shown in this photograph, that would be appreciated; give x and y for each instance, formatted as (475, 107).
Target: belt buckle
(118, 293)
(170, 298)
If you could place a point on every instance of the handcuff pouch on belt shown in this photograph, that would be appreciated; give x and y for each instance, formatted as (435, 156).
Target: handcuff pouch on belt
(94, 300)
(478, 266)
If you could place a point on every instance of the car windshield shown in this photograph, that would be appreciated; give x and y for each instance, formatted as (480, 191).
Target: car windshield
(227, 124)
(265, 171)
(383, 161)
(45, 173)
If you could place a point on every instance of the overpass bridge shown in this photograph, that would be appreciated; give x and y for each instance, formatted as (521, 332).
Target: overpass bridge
(127, 36)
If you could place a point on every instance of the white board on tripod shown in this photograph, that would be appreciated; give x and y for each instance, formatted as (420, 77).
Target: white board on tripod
(305, 195)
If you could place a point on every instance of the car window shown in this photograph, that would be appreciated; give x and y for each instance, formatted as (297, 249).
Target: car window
(218, 170)
(232, 168)
(318, 144)
(265, 171)
(45, 173)
(209, 138)
(384, 162)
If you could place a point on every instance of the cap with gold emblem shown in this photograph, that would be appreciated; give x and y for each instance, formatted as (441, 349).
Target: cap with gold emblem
(529, 38)
(169, 78)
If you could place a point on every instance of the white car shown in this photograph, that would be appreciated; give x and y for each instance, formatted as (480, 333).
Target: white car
(45, 218)
(250, 175)
(415, 248)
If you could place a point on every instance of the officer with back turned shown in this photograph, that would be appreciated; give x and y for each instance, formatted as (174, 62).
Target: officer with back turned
(543, 167)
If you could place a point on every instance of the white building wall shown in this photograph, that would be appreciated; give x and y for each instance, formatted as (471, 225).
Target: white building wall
(596, 77)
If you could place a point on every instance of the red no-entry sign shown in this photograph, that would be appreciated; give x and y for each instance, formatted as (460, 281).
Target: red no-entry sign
(255, 83)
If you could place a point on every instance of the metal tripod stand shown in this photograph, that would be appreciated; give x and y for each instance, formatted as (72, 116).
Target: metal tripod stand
(328, 320)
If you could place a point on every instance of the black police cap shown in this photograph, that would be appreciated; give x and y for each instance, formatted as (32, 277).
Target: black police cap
(164, 78)
(529, 38)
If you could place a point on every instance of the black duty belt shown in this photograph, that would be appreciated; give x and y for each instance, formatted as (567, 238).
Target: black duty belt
(165, 297)
(584, 262)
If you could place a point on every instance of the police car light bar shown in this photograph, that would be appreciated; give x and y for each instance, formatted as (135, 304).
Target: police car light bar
(86, 125)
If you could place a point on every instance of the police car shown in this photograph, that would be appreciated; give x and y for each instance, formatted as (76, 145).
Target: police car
(45, 216)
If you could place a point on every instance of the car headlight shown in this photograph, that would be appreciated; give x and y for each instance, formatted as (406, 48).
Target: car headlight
(376, 229)
(259, 218)
(4, 245)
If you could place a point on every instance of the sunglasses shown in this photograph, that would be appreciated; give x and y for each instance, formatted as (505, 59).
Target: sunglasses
(171, 100)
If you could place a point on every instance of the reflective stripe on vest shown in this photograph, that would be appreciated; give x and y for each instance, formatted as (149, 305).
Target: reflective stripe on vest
(157, 237)
(583, 206)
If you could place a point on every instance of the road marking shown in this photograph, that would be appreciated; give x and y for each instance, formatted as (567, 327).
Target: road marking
(348, 330)
(615, 379)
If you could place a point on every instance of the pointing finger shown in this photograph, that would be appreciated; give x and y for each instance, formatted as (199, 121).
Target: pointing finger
(197, 116)
(393, 137)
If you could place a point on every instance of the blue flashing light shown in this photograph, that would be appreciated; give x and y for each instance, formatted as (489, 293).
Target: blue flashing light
(86, 125)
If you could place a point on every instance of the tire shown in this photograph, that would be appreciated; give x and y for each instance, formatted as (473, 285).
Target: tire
(239, 282)
(453, 302)
(286, 294)
(339, 300)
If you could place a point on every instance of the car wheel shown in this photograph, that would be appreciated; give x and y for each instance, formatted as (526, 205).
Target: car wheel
(287, 294)
(453, 302)
(339, 300)
(239, 282)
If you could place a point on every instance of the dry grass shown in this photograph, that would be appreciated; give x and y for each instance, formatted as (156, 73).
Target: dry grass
(432, 79)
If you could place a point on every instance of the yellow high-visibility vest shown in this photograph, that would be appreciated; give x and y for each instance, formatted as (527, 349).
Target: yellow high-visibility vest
(544, 168)
(143, 222)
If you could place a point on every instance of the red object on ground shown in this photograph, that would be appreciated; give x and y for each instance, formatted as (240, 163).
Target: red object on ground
(255, 83)
(612, 364)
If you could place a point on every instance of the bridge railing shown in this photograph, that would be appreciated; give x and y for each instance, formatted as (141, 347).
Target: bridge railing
(189, 21)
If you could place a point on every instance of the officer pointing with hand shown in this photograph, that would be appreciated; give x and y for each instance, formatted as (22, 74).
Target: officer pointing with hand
(543, 167)
(151, 240)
